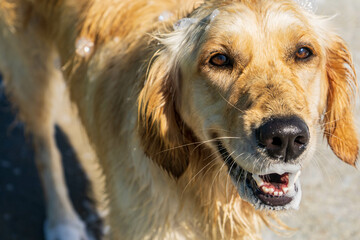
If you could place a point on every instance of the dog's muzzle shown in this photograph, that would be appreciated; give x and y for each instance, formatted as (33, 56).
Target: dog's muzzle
(276, 186)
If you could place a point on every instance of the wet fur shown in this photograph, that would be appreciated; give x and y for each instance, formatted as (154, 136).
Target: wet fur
(145, 95)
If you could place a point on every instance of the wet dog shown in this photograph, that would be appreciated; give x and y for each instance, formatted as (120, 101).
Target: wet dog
(201, 114)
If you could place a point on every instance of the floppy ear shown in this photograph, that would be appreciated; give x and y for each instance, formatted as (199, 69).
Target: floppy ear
(162, 131)
(339, 126)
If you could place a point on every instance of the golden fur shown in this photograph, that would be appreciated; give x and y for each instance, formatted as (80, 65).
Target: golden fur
(152, 105)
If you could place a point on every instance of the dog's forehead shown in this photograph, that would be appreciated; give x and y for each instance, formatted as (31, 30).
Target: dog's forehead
(268, 18)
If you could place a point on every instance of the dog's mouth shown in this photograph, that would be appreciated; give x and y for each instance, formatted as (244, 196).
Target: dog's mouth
(276, 189)
(272, 189)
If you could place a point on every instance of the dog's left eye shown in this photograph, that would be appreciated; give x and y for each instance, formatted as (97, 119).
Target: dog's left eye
(303, 53)
(220, 60)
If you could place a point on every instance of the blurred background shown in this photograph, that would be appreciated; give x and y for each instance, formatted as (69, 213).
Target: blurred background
(330, 208)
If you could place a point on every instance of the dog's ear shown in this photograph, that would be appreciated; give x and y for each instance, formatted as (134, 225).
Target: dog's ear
(164, 135)
(339, 126)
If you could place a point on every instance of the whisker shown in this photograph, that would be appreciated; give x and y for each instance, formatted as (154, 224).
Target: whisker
(325, 169)
(193, 178)
(237, 181)
(218, 172)
(231, 103)
(330, 122)
(232, 165)
(337, 137)
(217, 129)
(199, 143)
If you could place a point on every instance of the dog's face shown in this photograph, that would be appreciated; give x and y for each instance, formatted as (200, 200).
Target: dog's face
(255, 82)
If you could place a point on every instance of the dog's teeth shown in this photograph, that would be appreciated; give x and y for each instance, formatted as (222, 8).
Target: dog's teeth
(293, 179)
(297, 176)
(280, 194)
(258, 180)
(285, 189)
(265, 189)
(276, 193)
(271, 190)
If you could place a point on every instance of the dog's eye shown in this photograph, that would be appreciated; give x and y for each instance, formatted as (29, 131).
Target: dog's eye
(220, 60)
(303, 53)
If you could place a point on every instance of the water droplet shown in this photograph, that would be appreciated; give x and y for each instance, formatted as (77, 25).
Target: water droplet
(5, 164)
(57, 63)
(17, 171)
(165, 15)
(106, 230)
(7, 216)
(308, 5)
(214, 14)
(84, 46)
(116, 39)
(87, 155)
(86, 204)
(92, 218)
(9, 187)
(184, 23)
(2, 88)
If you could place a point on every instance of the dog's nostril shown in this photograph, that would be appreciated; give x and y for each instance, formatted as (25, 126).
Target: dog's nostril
(283, 138)
(300, 140)
(276, 141)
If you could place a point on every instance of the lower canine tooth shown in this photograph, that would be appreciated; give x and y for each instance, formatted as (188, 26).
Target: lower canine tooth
(285, 189)
(258, 180)
(297, 176)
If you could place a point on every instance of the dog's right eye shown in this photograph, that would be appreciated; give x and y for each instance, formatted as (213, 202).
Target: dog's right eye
(303, 53)
(219, 60)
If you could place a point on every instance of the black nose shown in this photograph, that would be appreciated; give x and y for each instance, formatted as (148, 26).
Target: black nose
(283, 138)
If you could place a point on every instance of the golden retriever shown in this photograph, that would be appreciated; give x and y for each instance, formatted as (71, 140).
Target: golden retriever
(202, 114)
